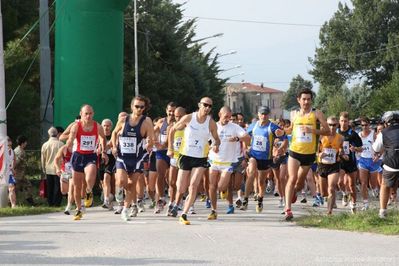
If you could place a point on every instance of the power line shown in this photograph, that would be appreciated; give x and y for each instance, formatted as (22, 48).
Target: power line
(256, 21)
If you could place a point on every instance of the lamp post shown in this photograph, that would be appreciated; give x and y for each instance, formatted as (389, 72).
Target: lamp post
(239, 74)
(234, 67)
(205, 38)
(136, 59)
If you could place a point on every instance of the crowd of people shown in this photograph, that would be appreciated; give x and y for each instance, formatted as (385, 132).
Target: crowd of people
(193, 155)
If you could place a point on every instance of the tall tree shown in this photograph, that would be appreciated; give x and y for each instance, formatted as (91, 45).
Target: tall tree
(290, 98)
(359, 42)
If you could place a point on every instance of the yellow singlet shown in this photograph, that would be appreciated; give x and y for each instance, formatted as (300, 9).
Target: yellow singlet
(303, 143)
(179, 134)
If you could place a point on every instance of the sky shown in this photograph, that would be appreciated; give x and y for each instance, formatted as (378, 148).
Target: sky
(268, 53)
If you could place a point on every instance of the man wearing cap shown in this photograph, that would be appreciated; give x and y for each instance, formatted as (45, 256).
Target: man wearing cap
(262, 135)
(49, 151)
(388, 142)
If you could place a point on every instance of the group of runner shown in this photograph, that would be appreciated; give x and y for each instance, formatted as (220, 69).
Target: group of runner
(193, 154)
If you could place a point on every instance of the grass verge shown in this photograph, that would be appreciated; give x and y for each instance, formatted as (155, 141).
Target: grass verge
(367, 221)
(27, 210)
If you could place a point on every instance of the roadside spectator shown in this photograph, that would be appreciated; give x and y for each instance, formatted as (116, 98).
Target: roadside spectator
(23, 185)
(11, 178)
(49, 151)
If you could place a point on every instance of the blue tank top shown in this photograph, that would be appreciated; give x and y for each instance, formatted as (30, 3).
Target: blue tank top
(262, 141)
(163, 136)
(131, 142)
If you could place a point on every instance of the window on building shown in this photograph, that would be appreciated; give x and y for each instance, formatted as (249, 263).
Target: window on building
(273, 103)
(234, 107)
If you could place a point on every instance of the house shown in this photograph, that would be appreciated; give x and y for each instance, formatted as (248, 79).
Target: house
(247, 97)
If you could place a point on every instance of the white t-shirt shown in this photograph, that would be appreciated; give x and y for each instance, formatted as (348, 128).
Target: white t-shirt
(227, 149)
(377, 147)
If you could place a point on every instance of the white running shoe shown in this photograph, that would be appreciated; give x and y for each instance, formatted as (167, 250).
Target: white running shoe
(125, 215)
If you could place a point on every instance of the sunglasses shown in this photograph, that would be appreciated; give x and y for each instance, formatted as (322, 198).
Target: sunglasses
(332, 125)
(207, 105)
(364, 125)
(139, 106)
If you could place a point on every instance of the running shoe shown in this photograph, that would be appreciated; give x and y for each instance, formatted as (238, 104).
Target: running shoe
(212, 216)
(119, 195)
(78, 215)
(159, 207)
(259, 207)
(288, 215)
(269, 187)
(203, 197)
(353, 207)
(365, 206)
(230, 209)
(183, 219)
(140, 204)
(276, 194)
(89, 200)
(118, 210)
(238, 203)
(382, 214)
(304, 200)
(376, 193)
(244, 206)
(316, 201)
(224, 194)
(208, 203)
(169, 212)
(125, 215)
(191, 210)
(345, 200)
(281, 203)
(152, 205)
(67, 210)
(174, 211)
(134, 211)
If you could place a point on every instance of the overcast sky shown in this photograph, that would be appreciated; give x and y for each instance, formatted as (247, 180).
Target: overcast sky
(268, 53)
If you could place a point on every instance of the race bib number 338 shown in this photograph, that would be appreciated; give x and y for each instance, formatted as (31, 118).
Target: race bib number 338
(127, 144)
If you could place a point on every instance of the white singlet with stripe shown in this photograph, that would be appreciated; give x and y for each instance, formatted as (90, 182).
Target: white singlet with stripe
(196, 136)
(367, 145)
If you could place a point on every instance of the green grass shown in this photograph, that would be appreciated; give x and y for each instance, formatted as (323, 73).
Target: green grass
(360, 222)
(25, 210)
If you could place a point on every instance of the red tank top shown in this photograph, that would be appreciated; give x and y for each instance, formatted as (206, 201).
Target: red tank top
(87, 141)
(66, 165)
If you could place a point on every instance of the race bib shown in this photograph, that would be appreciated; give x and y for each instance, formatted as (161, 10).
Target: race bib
(330, 156)
(302, 136)
(345, 146)
(259, 143)
(367, 152)
(177, 143)
(127, 145)
(196, 144)
(68, 167)
(87, 143)
(163, 138)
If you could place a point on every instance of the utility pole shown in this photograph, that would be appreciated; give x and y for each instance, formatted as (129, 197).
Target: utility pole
(46, 107)
(136, 59)
(3, 125)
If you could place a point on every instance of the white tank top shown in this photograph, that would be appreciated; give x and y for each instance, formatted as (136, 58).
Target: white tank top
(196, 136)
(367, 145)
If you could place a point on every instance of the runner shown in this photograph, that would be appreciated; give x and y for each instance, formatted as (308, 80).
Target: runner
(107, 171)
(388, 142)
(176, 140)
(86, 132)
(128, 140)
(330, 150)
(262, 135)
(163, 161)
(63, 167)
(368, 166)
(194, 152)
(302, 152)
(352, 144)
(222, 162)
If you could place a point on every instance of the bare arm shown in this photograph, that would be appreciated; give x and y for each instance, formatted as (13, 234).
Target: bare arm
(214, 132)
(182, 122)
(324, 129)
(114, 136)
(72, 136)
(149, 133)
(64, 136)
(58, 158)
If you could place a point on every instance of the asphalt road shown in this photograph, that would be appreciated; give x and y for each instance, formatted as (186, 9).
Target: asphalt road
(244, 238)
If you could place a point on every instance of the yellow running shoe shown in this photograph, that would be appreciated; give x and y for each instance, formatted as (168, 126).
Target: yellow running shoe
(203, 198)
(259, 207)
(212, 216)
(78, 215)
(183, 219)
(89, 200)
(224, 194)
